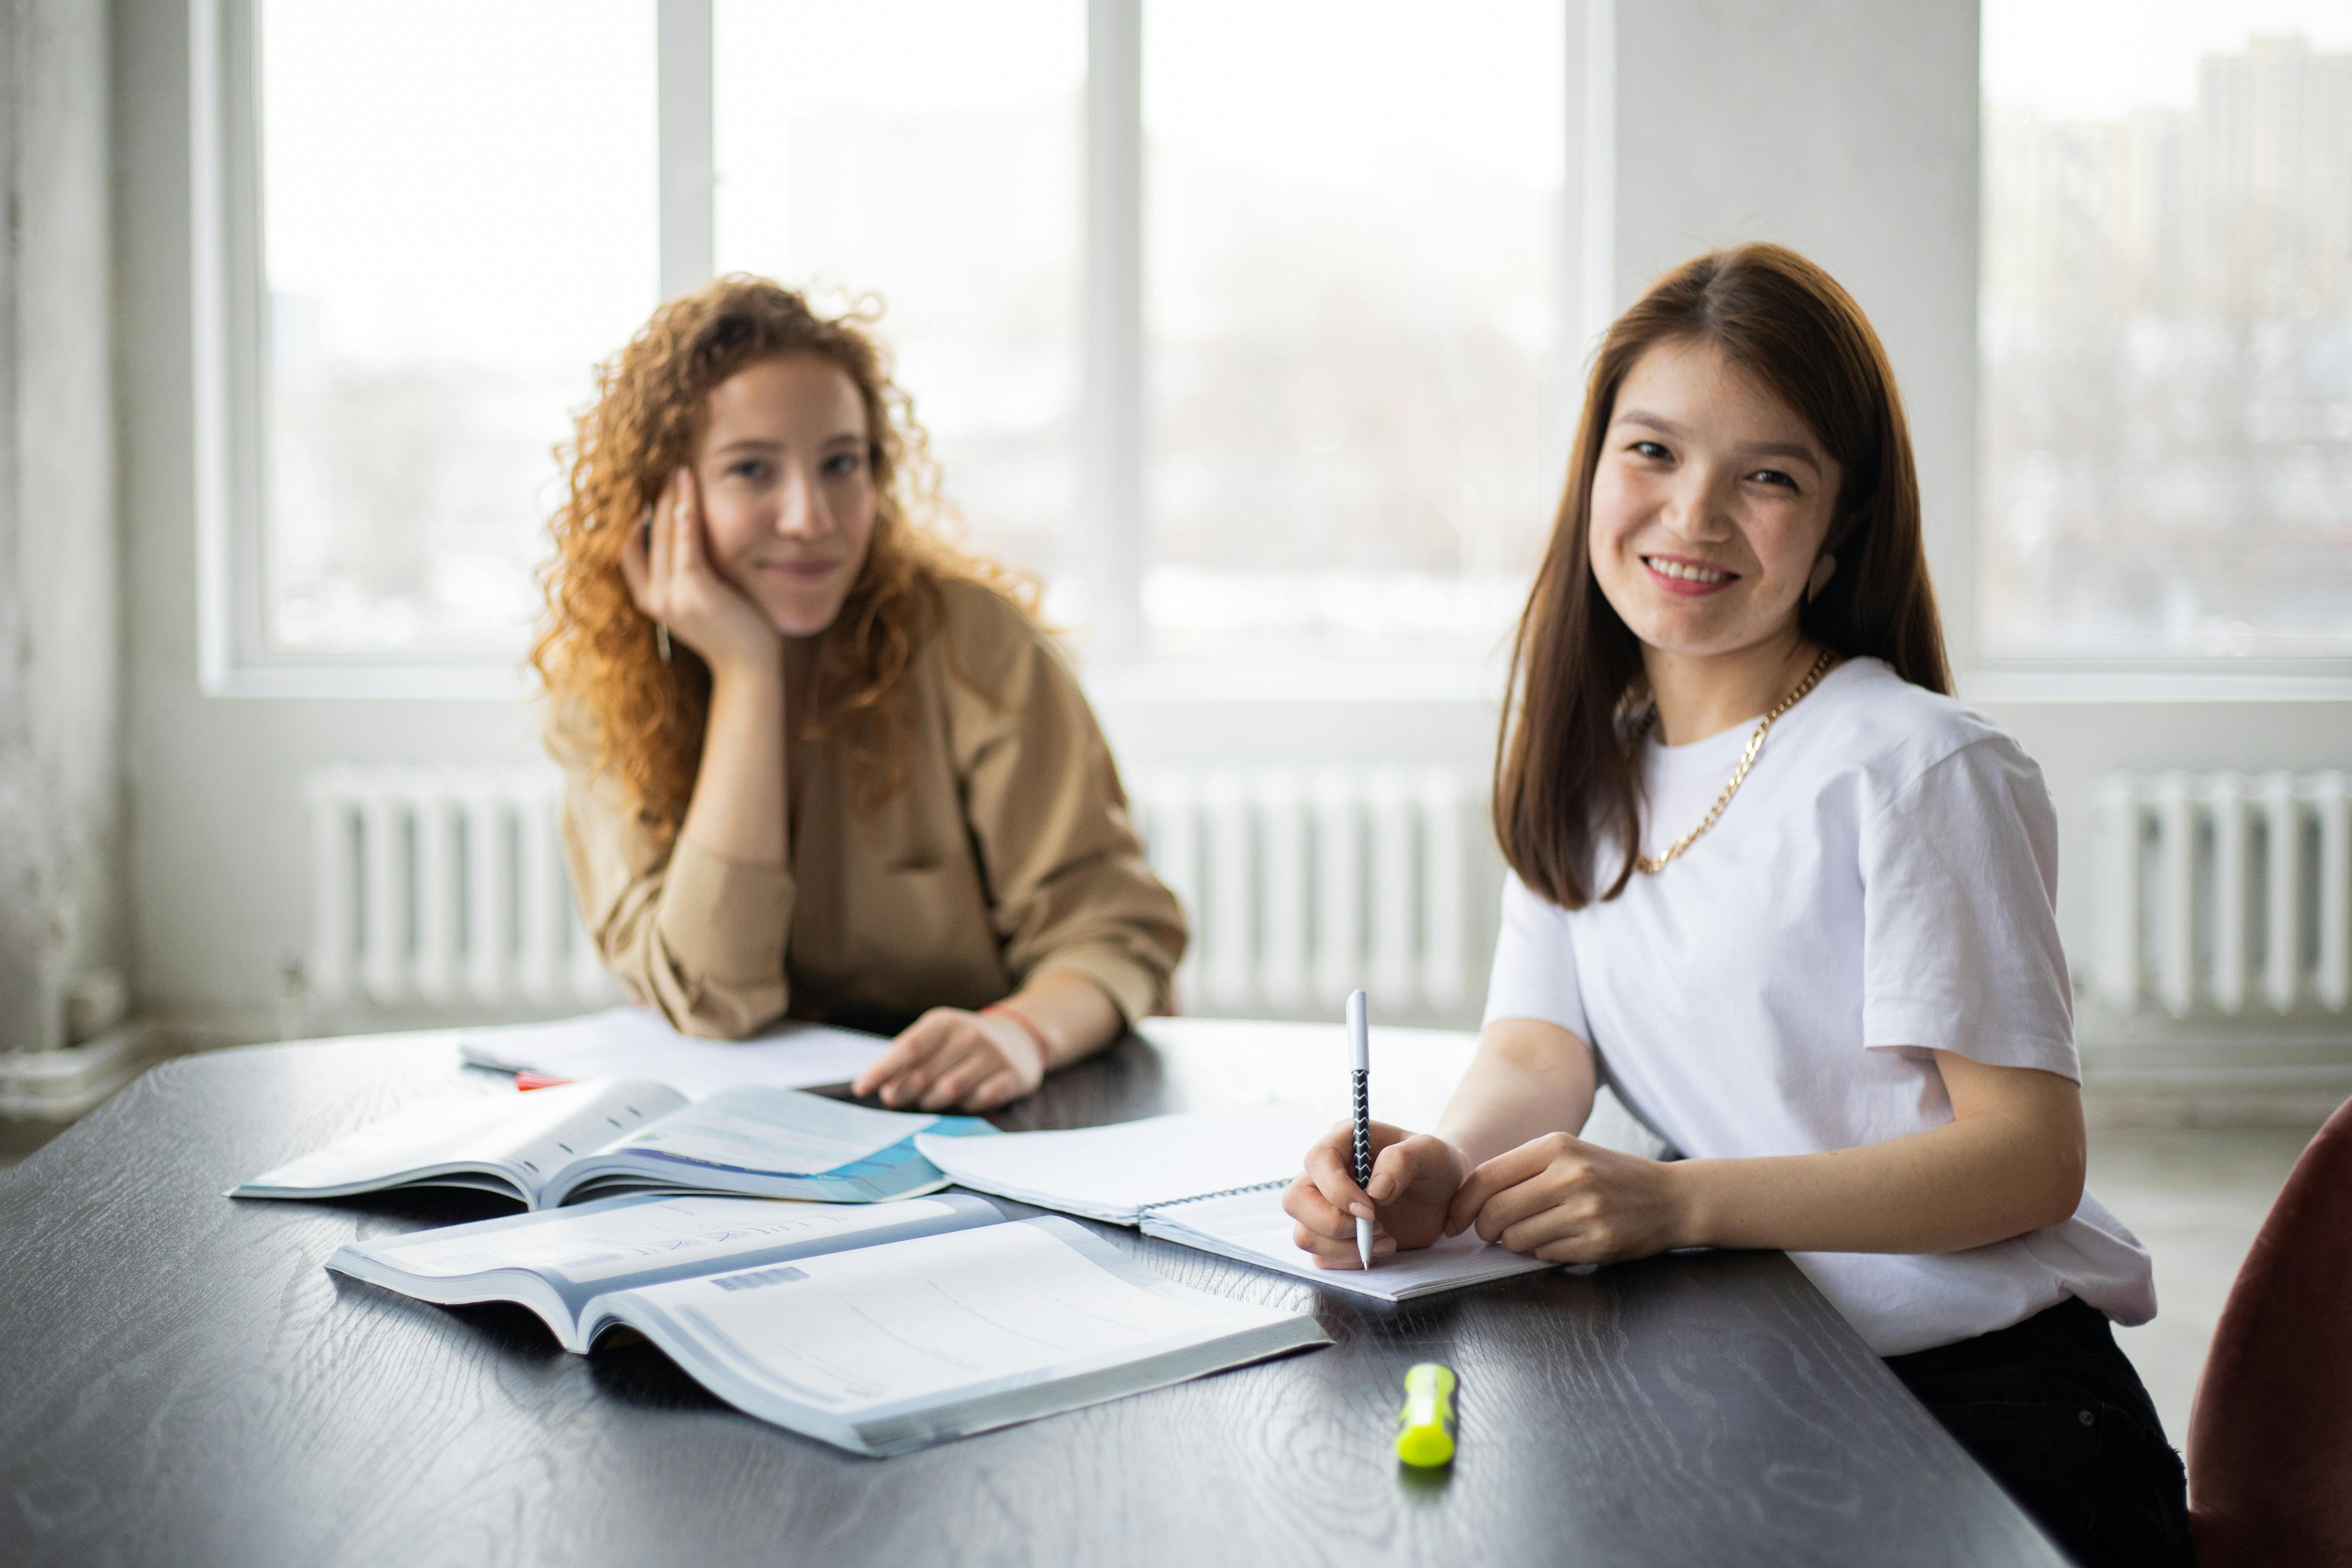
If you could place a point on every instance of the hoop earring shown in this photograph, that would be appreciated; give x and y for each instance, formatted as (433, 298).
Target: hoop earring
(1823, 569)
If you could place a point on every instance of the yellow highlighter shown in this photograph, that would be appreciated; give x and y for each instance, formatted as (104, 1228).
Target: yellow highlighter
(1426, 1425)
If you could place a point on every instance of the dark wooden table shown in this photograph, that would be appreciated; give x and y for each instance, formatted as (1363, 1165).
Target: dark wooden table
(182, 1381)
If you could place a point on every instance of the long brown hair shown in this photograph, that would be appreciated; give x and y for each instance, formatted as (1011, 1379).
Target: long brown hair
(615, 704)
(1564, 779)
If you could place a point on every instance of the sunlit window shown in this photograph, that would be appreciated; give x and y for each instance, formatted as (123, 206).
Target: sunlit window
(2167, 329)
(1351, 229)
(927, 153)
(458, 206)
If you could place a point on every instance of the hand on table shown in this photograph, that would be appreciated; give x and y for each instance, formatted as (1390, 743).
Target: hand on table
(949, 1059)
(1566, 1201)
(667, 565)
(1414, 1178)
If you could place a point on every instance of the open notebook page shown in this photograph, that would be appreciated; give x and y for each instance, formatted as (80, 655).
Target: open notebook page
(1250, 1227)
(637, 1042)
(1113, 1174)
(531, 1134)
(777, 1130)
(617, 1238)
(923, 1333)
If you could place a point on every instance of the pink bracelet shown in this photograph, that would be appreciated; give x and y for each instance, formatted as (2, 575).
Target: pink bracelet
(1028, 1025)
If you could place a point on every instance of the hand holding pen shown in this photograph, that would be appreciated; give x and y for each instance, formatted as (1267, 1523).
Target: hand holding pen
(1368, 1187)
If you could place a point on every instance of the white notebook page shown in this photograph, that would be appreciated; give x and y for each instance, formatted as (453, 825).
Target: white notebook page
(917, 1319)
(1112, 1173)
(625, 1235)
(539, 1131)
(1253, 1228)
(637, 1042)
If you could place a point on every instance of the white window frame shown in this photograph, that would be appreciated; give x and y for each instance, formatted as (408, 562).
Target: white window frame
(233, 657)
(227, 272)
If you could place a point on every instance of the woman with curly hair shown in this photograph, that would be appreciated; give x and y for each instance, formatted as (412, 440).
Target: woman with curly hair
(821, 763)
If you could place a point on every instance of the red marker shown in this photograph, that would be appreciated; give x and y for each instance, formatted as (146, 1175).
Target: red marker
(538, 1081)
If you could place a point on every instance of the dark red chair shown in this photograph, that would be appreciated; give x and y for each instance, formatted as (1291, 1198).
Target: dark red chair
(2270, 1438)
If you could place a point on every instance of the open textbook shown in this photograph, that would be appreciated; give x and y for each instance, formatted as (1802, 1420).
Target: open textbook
(593, 1140)
(637, 1042)
(1212, 1180)
(879, 1330)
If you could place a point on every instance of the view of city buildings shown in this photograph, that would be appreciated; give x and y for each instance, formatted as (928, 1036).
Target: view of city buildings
(2167, 335)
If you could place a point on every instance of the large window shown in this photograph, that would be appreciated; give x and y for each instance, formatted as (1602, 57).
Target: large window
(926, 155)
(2167, 329)
(1351, 300)
(1329, 411)
(458, 208)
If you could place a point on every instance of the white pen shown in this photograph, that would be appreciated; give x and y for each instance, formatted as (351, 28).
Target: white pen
(1360, 1045)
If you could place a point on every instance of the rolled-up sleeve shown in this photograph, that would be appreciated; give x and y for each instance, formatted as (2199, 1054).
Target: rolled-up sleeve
(1068, 885)
(694, 934)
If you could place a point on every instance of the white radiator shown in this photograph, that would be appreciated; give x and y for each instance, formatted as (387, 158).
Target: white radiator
(444, 887)
(1303, 886)
(2217, 889)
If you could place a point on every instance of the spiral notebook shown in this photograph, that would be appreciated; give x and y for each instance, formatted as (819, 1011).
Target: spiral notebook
(1209, 1180)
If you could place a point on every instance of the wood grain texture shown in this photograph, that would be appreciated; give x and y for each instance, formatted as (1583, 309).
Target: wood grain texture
(185, 1383)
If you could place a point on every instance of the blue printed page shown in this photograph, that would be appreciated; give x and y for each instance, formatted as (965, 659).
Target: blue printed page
(775, 1142)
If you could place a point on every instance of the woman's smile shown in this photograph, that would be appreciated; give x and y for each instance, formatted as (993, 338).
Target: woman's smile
(1679, 574)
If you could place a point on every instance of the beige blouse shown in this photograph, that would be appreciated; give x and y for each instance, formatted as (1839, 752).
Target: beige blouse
(1009, 853)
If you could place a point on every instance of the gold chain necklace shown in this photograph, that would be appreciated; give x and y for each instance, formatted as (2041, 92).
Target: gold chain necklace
(1739, 774)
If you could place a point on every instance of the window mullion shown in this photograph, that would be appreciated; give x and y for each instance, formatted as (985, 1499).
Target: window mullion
(687, 166)
(1110, 516)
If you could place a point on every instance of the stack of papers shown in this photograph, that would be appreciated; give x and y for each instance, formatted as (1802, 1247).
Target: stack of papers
(637, 1042)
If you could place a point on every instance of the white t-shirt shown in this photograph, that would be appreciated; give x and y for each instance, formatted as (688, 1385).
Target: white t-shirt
(1882, 886)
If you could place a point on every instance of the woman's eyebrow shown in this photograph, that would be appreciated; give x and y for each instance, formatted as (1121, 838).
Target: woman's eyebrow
(1802, 453)
(1664, 426)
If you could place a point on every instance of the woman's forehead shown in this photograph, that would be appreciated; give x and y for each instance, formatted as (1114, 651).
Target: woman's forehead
(802, 391)
(1691, 387)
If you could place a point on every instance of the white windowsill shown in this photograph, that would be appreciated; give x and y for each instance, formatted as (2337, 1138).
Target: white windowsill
(2327, 680)
(1203, 681)
(420, 682)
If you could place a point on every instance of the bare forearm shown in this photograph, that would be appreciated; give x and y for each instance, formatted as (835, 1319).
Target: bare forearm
(738, 806)
(1528, 1079)
(1071, 1012)
(1977, 1180)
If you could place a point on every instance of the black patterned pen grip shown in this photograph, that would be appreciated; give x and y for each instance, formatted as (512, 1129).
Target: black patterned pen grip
(1363, 1127)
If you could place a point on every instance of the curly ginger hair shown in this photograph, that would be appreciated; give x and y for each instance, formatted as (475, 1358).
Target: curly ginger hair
(615, 705)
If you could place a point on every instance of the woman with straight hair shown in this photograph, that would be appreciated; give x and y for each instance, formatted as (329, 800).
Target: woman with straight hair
(822, 762)
(1794, 904)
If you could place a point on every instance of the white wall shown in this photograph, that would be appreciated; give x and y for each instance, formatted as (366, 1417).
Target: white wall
(1845, 127)
(61, 861)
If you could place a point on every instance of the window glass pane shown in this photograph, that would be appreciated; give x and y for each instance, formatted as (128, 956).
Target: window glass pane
(2167, 329)
(927, 153)
(1352, 236)
(459, 220)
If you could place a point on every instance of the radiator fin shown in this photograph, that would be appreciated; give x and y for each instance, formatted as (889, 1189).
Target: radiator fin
(446, 887)
(2226, 892)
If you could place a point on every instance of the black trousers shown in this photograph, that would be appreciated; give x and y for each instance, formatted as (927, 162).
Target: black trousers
(2052, 1408)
